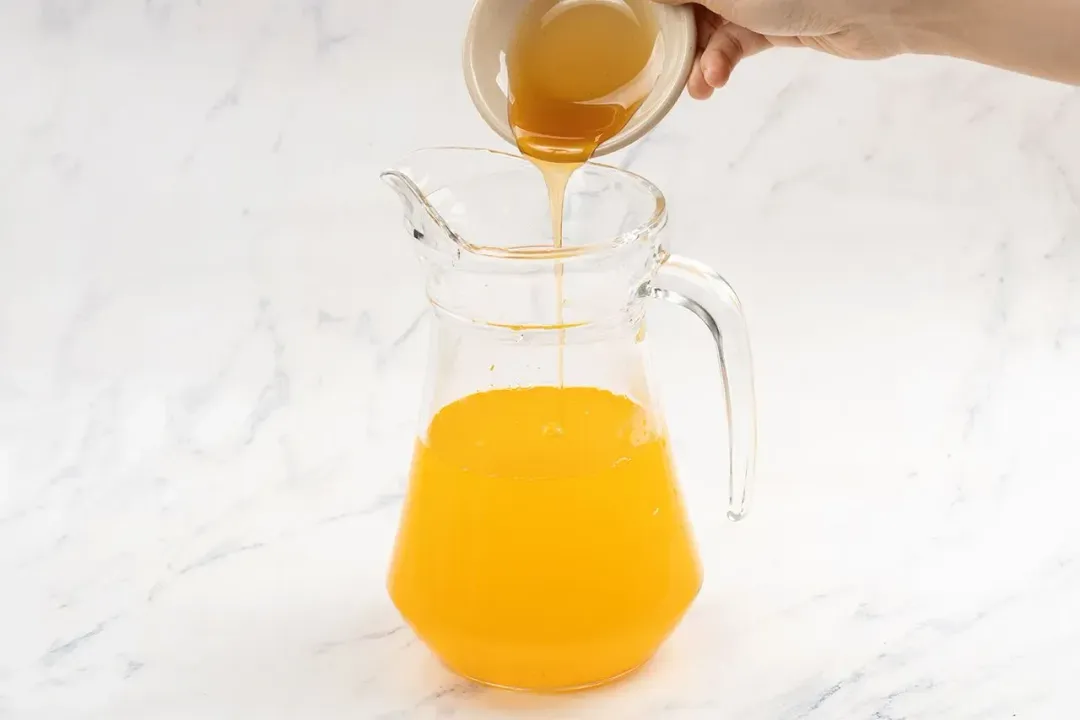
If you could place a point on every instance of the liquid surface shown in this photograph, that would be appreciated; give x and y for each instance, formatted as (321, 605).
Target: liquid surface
(578, 70)
(543, 542)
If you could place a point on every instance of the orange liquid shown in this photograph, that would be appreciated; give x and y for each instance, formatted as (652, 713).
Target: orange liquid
(543, 543)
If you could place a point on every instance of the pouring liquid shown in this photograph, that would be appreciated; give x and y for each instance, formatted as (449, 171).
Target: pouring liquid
(577, 70)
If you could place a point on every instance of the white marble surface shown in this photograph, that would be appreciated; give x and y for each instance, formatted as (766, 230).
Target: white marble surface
(210, 347)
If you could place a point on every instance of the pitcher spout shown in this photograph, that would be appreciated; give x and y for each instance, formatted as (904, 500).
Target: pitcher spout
(467, 200)
(412, 201)
(413, 182)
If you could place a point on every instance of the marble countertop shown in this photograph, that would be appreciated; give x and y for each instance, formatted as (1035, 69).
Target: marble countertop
(212, 333)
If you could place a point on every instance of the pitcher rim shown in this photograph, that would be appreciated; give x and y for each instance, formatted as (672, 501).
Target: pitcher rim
(538, 252)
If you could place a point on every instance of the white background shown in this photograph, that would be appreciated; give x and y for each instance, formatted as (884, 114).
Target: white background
(208, 387)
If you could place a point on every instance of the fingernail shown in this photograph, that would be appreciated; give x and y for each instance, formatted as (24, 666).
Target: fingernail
(710, 72)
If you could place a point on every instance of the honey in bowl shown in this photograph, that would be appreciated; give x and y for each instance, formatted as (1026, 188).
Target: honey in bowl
(578, 70)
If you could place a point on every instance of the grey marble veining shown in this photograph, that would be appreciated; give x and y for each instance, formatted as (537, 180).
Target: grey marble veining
(212, 336)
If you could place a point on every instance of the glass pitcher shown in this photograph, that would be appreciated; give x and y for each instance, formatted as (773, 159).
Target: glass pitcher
(543, 542)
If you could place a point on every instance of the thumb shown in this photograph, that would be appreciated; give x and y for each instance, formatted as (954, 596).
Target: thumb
(726, 48)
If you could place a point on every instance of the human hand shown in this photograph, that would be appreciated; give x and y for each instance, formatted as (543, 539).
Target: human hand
(730, 30)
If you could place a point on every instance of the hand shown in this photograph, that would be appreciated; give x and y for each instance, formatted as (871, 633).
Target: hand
(730, 30)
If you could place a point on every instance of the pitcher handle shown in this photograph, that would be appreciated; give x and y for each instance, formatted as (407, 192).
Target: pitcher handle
(701, 290)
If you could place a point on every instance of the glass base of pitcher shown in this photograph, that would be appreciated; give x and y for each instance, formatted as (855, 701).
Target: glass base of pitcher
(618, 677)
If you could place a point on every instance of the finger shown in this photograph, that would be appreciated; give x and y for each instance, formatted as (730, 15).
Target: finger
(696, 85)
(726, 49)
(705, 23)
(717, 6)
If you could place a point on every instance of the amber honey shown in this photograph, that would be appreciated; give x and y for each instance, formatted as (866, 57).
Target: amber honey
(578, 69)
